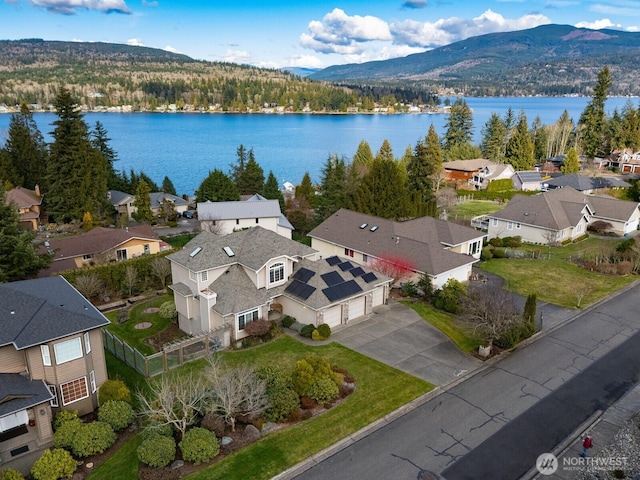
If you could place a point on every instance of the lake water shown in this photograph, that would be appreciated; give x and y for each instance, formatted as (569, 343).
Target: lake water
(185, 147)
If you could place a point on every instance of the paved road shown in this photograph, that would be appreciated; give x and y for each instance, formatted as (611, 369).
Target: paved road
(439, 433)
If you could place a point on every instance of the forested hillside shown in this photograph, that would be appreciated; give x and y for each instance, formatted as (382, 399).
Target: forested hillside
(105, 75)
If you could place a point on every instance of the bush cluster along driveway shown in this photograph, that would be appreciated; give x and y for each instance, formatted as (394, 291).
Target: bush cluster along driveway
(380, 390)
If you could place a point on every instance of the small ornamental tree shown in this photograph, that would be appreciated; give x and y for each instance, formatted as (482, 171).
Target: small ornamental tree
(393, 266)
(257, 328)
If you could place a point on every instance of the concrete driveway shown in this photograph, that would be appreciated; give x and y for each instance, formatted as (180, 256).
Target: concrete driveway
(399, 337)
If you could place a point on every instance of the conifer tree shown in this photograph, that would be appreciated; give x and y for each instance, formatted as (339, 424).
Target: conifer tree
(459, 130)
(385, 152)
(272, 190)
(571, 162)
(363, 156)
(217, 187)
(305, 192)
(591, 125)
(100, 141)
(333, 187)
(494, 139)
(142, 202)
(167, 186)
(251, 179)
(426, 160)
(519, 152)
(237, 169)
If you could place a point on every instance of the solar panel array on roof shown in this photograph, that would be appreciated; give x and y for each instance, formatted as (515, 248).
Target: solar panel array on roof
(344, 266)
(341, 290)
(333, 260)
(369, 277)
(357, 272)
(332, 278)
(300, 289)
(530, 176)
(304, 274)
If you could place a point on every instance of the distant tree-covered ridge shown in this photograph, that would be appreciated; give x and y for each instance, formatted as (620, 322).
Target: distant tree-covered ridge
(103, 75)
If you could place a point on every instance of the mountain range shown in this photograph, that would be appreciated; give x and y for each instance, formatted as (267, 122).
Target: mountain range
(547, 60)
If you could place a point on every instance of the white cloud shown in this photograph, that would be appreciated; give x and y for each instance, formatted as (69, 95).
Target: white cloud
(71, 7)
(622, 8)
(305, 61)
(169, 48)
(237, 56)
(135, 42)
(633, 28)
(354, 37)
(598, 24)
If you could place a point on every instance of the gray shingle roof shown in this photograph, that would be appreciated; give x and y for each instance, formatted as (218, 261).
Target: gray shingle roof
(584, 182)
(236, 292)
(116, 197)
(157, 198)
(252, 248)
(421, 241)
(529, 176)
(37, 311)
(19, 393)
(233, 210)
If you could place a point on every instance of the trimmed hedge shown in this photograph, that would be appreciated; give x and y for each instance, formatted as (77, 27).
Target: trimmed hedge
(307, 331)
(54, 464)
(157, 451)
(10, 474)
(92, 438)
(287, 321)
(64, 416)
(117, 413)
(114, 390)
(66, 433)
(199, 445)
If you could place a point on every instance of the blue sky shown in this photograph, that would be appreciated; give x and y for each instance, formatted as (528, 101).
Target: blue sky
(307, 33)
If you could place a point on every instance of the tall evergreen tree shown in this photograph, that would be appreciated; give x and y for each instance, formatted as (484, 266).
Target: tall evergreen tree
(332, 189)
(571, 162)
(591, 125)
(494, 139)
(100, 141)
(631, 126)
(305, 192)
(272, 190)
(237, 169)
(217, 187)
(251, 179)
(76, 172)
(142, 202)
(426, 160)
(363, 156)
(167, 186)
(385, 152)
(18, 257)
(539, 137)
(26, 151)
(519, 151)
(459, 129)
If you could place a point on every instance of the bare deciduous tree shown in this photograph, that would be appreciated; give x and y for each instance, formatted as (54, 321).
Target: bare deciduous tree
(90, 285)
(551, 237)
(161, 268)
(212, 225)
(173, 400)
(130, 278)
(234, 392)
(491, 312)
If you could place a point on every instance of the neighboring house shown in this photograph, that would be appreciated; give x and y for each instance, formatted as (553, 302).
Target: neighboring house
(100, 245)
(223, 218)
(584, 183)
(221, 283)
(29, 203)
(560, 215)
(478, 172)
(624, 161)
(441, 249)
(527, 181)
(51, 359)
(124, 202)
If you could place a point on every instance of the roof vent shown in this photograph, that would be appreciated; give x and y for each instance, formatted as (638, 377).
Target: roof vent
(195, 252)
(374, 228)
(526, 214)
(363, 226)
(228, 251)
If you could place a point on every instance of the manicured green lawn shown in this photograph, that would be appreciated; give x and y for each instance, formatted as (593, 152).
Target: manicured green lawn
(380, 390)
(556, 280)
(179, 241)
(126, 331)
(474, 208)
(447, 324)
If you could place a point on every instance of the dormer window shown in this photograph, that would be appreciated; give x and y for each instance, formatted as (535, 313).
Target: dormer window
(276, 272)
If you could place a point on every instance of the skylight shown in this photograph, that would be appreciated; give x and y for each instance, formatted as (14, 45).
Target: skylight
(374, 228)
(363, 226)
(195, 252)
(228, 251)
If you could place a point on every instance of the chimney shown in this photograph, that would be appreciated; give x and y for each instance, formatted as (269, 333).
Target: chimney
(37, 189)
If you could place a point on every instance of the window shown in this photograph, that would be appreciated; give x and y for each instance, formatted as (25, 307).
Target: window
(121, 254)
(517, 226)
(494, 222)
(67, 351)
(276, 272)
(247, 317)
(257, 220)
(74, 390)
(54, 401)
(46, 355)
(365, 257)
(348, 252)
(204, 276)
(237, 221)
(192, 275)
(147, 249)
(87, 343)
(509, 225)
(92, 380)
(88, 256)
(474, 248)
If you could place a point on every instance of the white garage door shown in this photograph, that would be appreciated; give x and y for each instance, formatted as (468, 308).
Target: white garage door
(356, 308)
(378, 296)
(332, 316)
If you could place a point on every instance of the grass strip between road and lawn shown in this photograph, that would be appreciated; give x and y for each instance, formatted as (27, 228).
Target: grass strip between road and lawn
(447, 324)
(380, 390)
(554, 278)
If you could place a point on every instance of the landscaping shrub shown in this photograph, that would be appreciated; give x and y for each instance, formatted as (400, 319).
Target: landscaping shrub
(500, 185)
(117, 413)
(307, 403)
(512, 242)
(274, 328)
(499, 253)
(10, 474)
(409, 289)
(624, 268)
(214, 423)
(307, 330)
(287, 321)
(199, 445)
(168, 310)
(54, 464)
(324, 390)
(448, 297)
(64, 416)
(282, 401)
(114, 390)
(486, 254)
(257, 328)
(316, 336)
(92, 438)
(496, 242)
(66, 432)
(325, 330)
(162, 429)
(157, 451)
